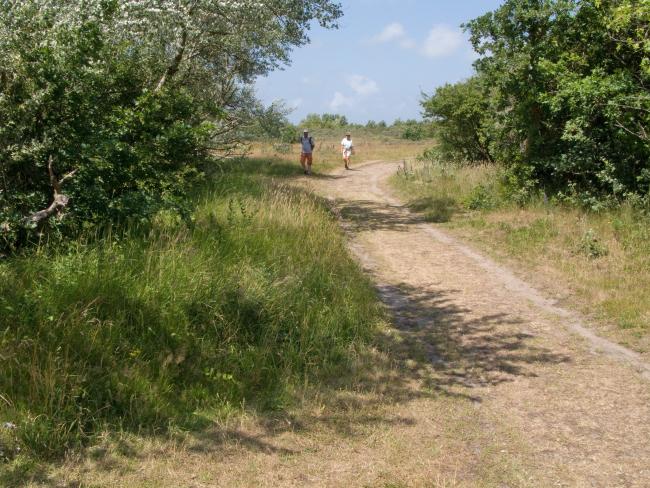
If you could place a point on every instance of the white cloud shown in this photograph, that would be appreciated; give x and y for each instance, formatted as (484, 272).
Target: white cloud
(408, 43)
(442, 41)
(362, 85)
(340, 101)
(394, 32)
(391, 32)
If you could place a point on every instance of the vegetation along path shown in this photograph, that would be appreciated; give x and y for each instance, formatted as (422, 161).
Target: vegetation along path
(575, 407)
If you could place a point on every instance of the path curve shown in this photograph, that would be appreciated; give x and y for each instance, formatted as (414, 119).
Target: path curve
(581, 402)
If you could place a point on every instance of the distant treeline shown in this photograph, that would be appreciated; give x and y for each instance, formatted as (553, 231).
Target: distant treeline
(275, 125)
(561, 96)
(109, 109)
(332, 121)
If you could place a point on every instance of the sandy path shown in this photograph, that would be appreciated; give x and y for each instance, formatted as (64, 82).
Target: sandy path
(580, 403)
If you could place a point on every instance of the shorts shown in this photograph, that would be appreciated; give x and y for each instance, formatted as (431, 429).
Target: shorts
(306, 157)
(347, 153)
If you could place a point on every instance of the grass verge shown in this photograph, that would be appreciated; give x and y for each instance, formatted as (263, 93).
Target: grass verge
(597, 262)
(141, 331)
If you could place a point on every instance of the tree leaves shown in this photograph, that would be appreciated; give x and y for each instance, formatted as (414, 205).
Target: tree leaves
(135, 96)
(568, 98)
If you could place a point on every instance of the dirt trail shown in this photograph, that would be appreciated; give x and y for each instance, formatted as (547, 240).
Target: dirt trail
(581, 404)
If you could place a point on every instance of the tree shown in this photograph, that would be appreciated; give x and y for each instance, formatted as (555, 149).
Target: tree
(270, 122)
(569, 85)
(324, 121)
(461, 114)
(128, 97)
(243, 37)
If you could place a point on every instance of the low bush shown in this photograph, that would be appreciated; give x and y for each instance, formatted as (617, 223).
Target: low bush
(481, 198)
(591, 245)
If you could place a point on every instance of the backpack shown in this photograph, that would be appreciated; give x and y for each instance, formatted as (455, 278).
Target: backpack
(311, 142)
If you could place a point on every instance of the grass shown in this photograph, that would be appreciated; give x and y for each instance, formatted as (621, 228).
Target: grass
(443, 190)
(144, 331)
(597, 262)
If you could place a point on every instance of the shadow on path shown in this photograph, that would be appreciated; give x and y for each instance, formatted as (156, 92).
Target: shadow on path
(365, 215)
(455, 350)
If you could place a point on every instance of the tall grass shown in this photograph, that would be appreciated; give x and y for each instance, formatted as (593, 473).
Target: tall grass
(440, 190)
(146, 329)
(600, 261)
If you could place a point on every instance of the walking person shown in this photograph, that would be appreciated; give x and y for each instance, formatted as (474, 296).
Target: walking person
(306, 151)
(347, 149)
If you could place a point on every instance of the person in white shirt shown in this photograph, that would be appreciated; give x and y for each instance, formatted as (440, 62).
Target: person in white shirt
(347, 149)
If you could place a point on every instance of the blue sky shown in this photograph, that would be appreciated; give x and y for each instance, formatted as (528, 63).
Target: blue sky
(385, 53)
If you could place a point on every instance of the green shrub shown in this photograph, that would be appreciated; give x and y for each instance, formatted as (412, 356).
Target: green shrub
(591, 246)
(559, 97)
(106, 117)
(78, 104)
(482, 197)
(414, 133)
(462, 113)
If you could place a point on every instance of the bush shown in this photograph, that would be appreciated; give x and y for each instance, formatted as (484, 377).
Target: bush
(413, 133)
(127, 153)
(481, 198)
(591, 246)
(105, 116)
(461, 116)
(324, 121)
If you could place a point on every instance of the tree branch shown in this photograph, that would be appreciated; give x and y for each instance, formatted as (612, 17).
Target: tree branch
(175, 64)
(59, 200)
(642, 134)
